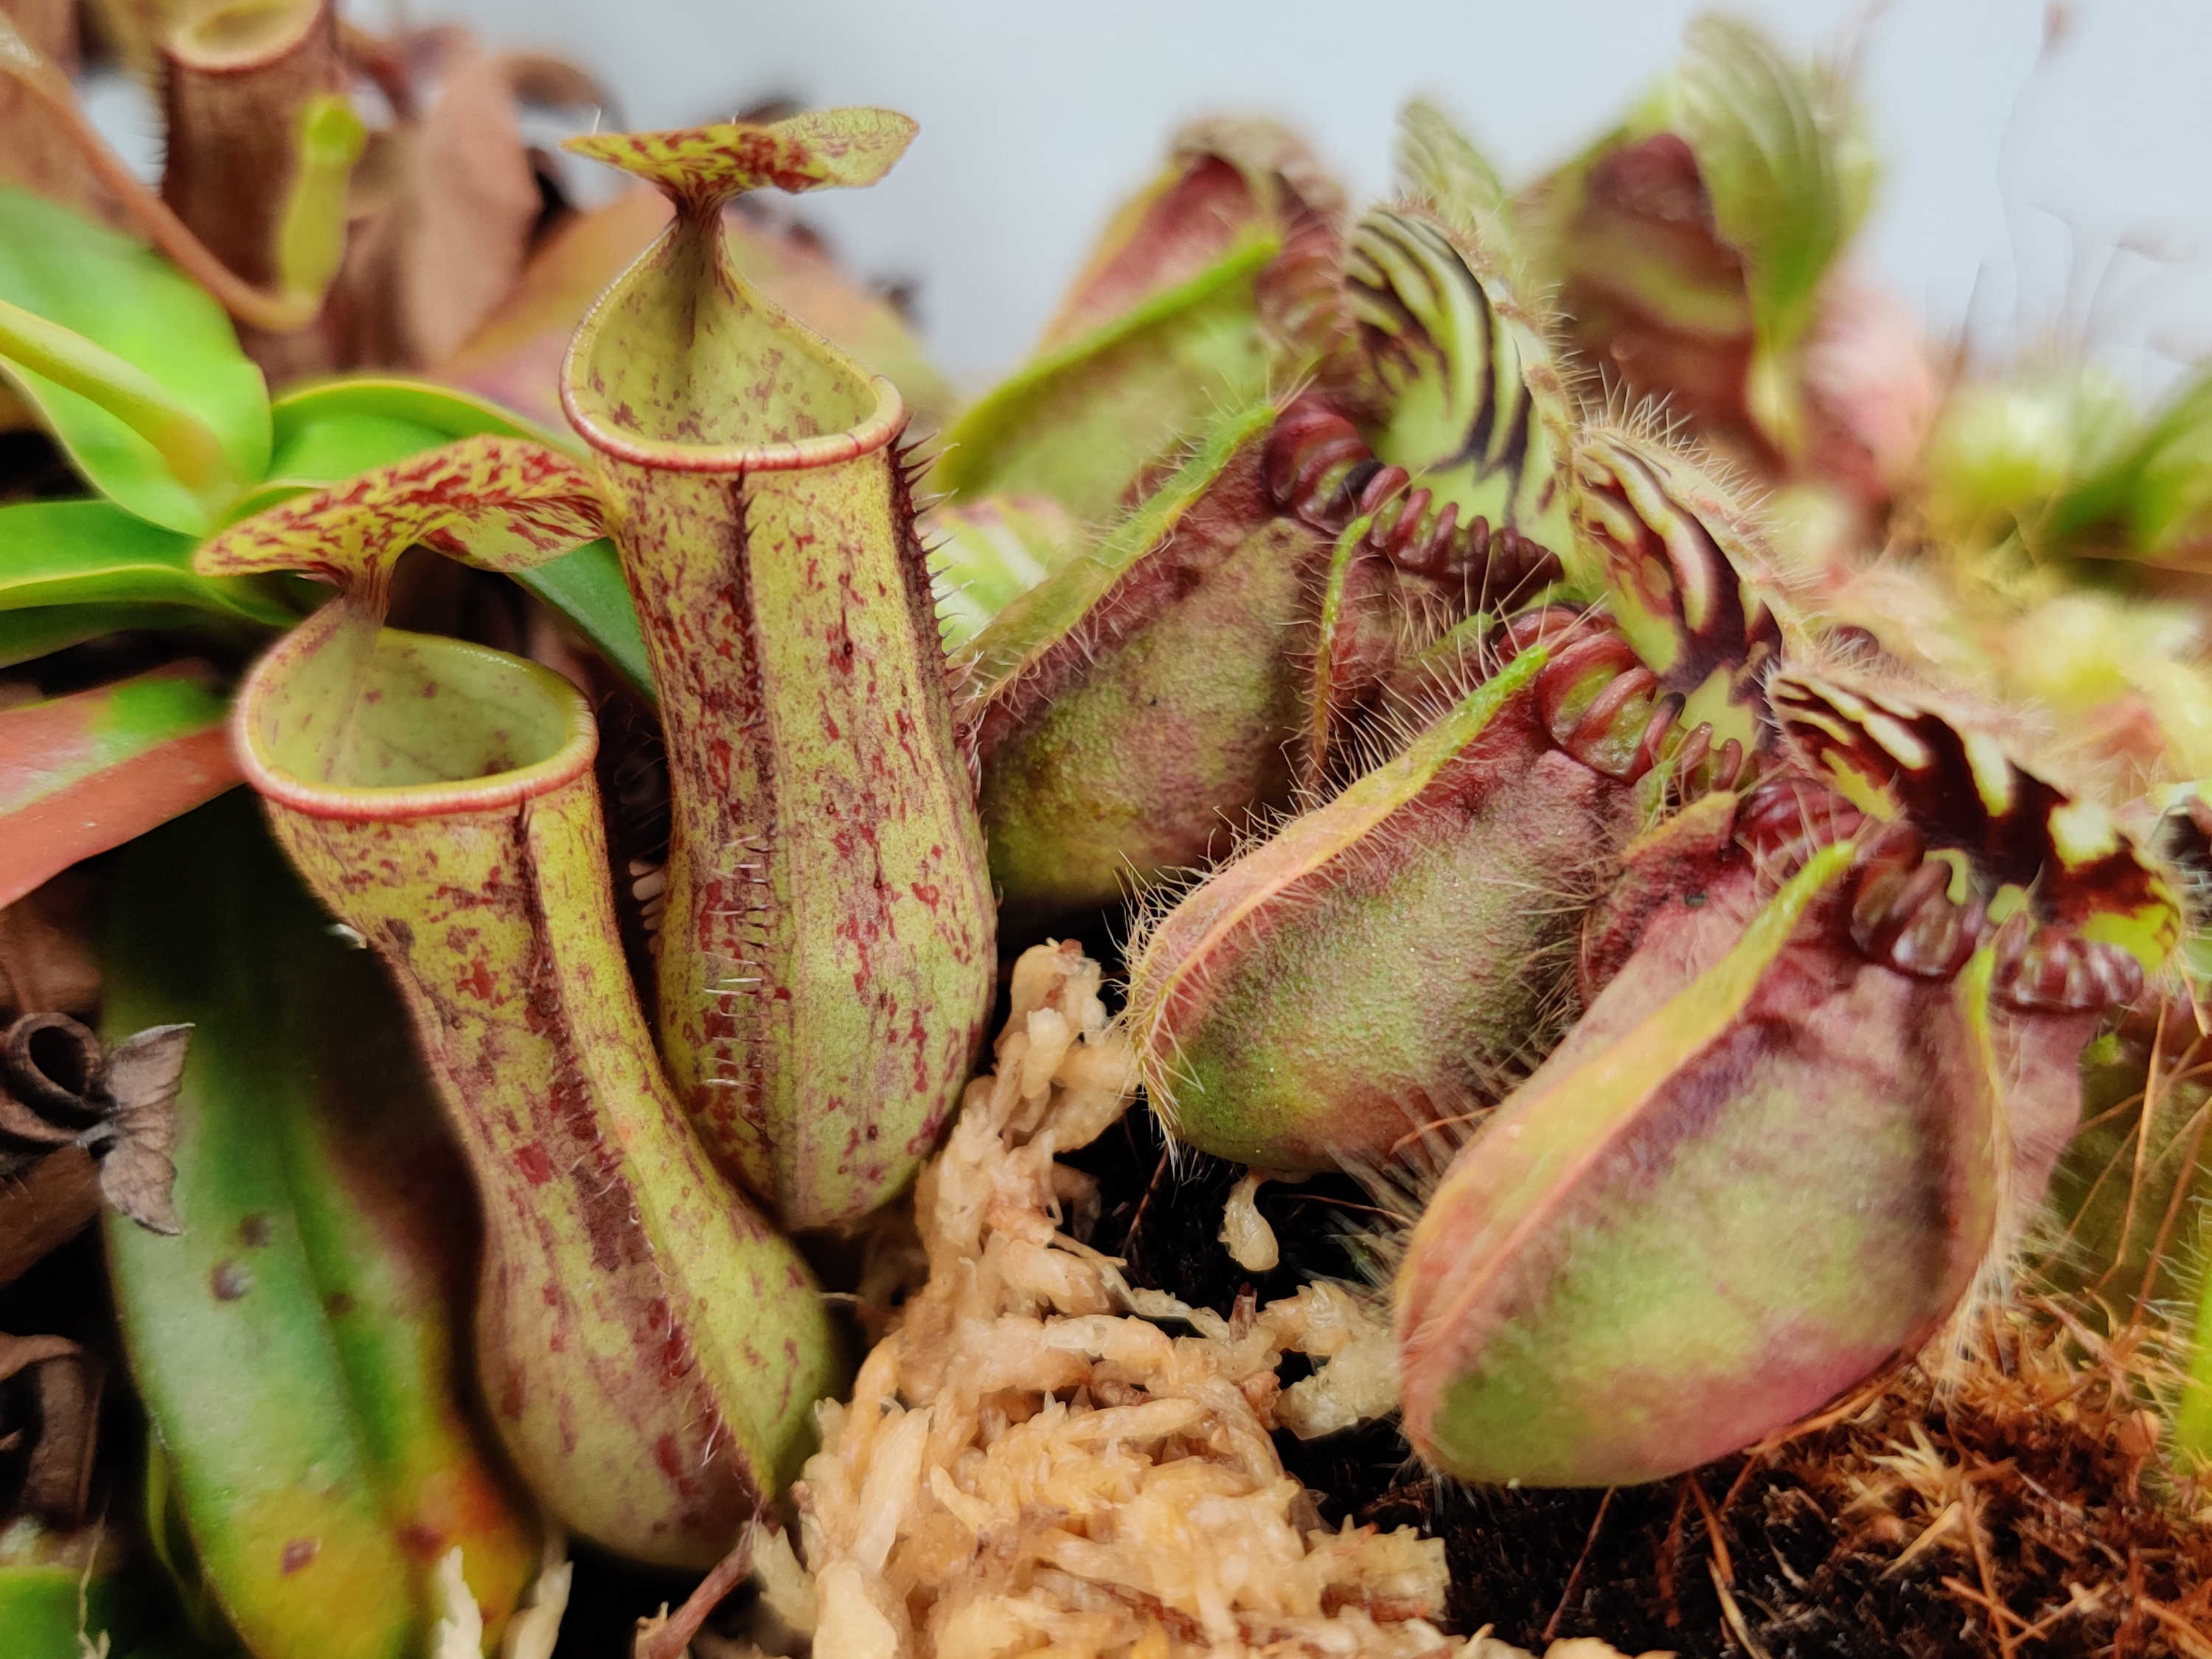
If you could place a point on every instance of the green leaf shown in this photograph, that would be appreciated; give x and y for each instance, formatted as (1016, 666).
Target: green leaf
(1787, 188)
(332, 429)
(984, 554)
(294, 1346)
(449, 413)
(2156, 494)
(1079, 425)
(587, 586)
(77, 553)
(2052, 450)
(2170, 508)
(126, 300)
(42, 1574)
(27, 635)
(333, 446)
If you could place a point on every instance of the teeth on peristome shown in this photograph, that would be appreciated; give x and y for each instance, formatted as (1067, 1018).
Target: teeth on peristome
(2054, 967)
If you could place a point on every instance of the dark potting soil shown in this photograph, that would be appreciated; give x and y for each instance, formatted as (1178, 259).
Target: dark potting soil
(2033, 1496)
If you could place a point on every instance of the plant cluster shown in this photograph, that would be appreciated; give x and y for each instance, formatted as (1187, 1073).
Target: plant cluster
(1689, 860)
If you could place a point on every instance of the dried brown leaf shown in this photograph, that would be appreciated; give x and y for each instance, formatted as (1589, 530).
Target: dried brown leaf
(47, 962)
(470, 206)
(77, 1125)
(136, 1173)
(49, 1407)
(46, 1199)
(53, 1067)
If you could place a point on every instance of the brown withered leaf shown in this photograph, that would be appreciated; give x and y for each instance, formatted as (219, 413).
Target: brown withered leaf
(53, 1072)
(49, 1406)
(49, 1186)
(78, 1125)
(515, 357)
(471, 205)
(136, 1174)
(46, 953)
(451, 199)
(46, 1200)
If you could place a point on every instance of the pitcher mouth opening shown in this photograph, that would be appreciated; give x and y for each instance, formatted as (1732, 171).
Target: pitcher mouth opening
(243, 34)
(512, 730)
(681, 367)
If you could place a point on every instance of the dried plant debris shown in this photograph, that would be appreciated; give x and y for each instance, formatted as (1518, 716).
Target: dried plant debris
(49, 1406)
(80, 1125)
(46, 959)
(2017, 1510)
(1035, 1461)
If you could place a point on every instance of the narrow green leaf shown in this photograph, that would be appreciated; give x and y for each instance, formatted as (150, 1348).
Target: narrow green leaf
(77, 553)
(186, 446)
(27, 635)
(126, 300)
(294, 1346)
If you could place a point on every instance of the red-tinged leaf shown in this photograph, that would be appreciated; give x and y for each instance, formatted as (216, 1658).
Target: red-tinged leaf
(82, 774)
(35, 153)
(1223, 179)
(516, 356)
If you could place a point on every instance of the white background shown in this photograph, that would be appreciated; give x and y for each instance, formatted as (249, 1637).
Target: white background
(2062, 193)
